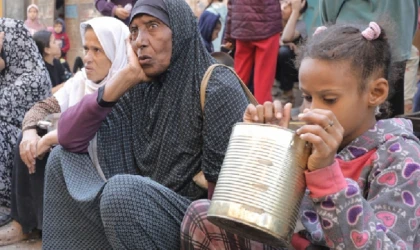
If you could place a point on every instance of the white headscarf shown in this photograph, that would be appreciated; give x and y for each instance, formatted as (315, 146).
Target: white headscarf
(111, 33)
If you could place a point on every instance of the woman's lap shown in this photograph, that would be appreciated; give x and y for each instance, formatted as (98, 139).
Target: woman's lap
(132, 211)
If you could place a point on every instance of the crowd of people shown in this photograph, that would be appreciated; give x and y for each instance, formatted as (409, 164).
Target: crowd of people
(121, 154)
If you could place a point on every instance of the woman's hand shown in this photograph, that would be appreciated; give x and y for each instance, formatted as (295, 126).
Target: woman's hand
(325, 134)
(122, 13)
(134, 70)
(27, 148)
(297, 5)
(270, 113)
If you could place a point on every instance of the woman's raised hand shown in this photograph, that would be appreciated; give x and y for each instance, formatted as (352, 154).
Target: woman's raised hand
(135, 71)
(269, 113)
(27, 148)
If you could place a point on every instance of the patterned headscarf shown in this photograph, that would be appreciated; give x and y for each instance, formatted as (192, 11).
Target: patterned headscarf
(25, 79)
(157, 129)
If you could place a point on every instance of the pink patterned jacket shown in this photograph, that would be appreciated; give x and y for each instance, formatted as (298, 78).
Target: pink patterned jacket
(370, 197)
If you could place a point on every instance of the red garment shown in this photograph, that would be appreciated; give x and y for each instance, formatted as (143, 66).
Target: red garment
(64, 40)
(262, 55)
(251, 20)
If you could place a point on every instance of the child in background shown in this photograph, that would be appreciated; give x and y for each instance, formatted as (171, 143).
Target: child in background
(32, 22)
(49, 50)
(363, 175)
(294, 33)
(209, 25)
(61, 37)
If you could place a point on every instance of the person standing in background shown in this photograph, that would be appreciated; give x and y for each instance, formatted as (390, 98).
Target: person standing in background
(254, 27)
(61, 36)
(209, 25)
(219, 8)
(120, 9)
(404, 16)
(32, 22)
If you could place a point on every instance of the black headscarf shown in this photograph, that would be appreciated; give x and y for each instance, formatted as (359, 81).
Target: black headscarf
(157, 129)
(156, 8)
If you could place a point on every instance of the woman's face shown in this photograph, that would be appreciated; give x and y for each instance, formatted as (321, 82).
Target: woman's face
(32, 14)
(216, 31)
(151, 40)
(97, 64)
(53, 49)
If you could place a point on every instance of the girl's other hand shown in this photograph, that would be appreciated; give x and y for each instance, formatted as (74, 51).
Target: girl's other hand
(269, 113)
(325, 134)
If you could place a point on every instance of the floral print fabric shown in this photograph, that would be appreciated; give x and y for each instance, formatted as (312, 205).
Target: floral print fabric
(23, 82)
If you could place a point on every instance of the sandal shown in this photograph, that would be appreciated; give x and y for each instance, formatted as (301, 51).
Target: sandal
(11, 233)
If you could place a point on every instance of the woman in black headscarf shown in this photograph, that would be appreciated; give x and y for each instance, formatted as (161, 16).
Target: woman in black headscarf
(152, 139)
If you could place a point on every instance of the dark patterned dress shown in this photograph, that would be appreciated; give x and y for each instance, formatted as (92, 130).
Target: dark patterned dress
(150, 146)
(23, 82)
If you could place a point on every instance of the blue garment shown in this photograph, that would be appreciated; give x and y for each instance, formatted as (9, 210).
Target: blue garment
(206, 24)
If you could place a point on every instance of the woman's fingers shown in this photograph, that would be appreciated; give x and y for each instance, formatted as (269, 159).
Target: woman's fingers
(250, 114)
(22, 152)
(269, 112)
(260, 113)
(132, 57)
(30, 159)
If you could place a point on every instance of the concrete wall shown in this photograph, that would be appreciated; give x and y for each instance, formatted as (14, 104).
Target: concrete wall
(14, 9)
(77, 11)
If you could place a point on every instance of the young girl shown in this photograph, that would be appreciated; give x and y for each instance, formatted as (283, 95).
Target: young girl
(50, 51)
(362, 175)
(32, 22)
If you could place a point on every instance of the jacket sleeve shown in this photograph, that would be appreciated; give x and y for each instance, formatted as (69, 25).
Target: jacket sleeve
(39, 111)
(388, 217)
(66, 46)
(227, 37)
(106, 8)
(78, 124)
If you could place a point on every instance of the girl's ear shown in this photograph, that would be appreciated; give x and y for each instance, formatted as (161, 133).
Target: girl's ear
(47, 51)
(378, 92)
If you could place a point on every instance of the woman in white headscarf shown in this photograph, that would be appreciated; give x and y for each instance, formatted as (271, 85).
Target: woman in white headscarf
(105, 54)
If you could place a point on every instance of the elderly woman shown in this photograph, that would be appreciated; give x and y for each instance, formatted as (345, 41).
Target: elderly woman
(103, 39)
(152, 139)
(23, 82)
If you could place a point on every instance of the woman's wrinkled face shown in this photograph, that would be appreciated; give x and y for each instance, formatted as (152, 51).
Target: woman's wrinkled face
(151, 40)
(97, 64)
(32, 14)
